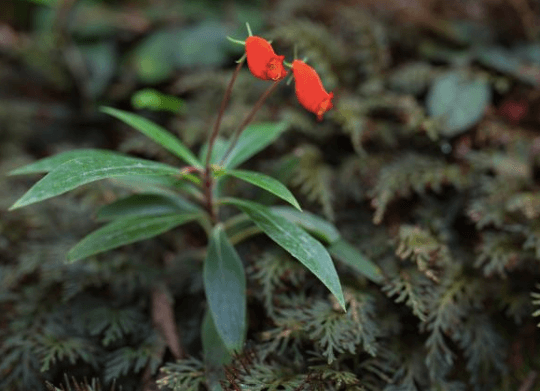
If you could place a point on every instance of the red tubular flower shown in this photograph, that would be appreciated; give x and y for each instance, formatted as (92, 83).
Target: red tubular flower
(309, 89)
(263, 61)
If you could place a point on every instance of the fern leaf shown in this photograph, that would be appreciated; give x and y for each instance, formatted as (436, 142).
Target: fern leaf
(499, 252)
(423, 248)
(183, 375)
(536, 302)
(414, 289)
(273, 271)
(413, 173)
(315, 179)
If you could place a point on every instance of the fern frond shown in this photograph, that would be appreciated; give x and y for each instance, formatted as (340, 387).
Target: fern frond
(133, 359)
(413, 173)
(423, 248)
(183, 375)
(20, 366)
(315, 179)
(489, 207)
(536, 301)
(353, 120)
(367, 39)
(528, 203)
(316, 42)
(252, 371)
(456, 296)
(273, 271)
(53, 348)
(113, 323)
(532, 235)
(499, 252)
(305, 122)
(358, 174)
(410, 374)
(332, 331)
(516, 305)
(484, 349)
(414, 289)
(74, 385)
(340, 379)
(360, 118)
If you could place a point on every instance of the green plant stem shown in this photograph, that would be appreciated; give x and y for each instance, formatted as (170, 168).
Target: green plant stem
(243, 235)
(207, 177)
(235, 220)
(248, 119)
(237, 41)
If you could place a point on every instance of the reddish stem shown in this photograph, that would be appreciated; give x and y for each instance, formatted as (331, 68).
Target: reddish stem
(207, 178)
(248, 119)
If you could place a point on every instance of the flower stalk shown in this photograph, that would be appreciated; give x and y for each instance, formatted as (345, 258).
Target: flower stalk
(248, 119)
(207, 176)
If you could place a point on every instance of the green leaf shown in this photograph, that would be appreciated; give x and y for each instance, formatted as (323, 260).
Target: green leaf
(208, 34)
(225, 288)
(156, 133)
(267, 183)
(145, 204)
(337, 246)
(310, 252)
(522, 62)
(317, 226)
(254, 139)
(50, 163)
(220, 146)
(153, 57)
(151, 99)
(150, 184)
(458, 102)
(79, 171)
(124, 231)
(215, 353)
(349, 255)
(101, 60)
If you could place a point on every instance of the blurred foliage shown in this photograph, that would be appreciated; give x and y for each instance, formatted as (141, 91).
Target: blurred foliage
(429, 164)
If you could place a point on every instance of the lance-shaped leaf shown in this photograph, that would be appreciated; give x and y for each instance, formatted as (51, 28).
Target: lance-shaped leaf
(215, 353)
(225, 288)
(310, 252)
(124, 231)
(348, 254)
(151, 99)
(319, 227)
(50, 163)
(147, 205)
(267, 183)
(253, 139)
(220, 146)
(338, 247)
(79, 171)
(156, 133)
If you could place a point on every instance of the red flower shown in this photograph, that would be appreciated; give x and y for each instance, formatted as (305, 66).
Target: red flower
(309, 89)
(263, 61)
